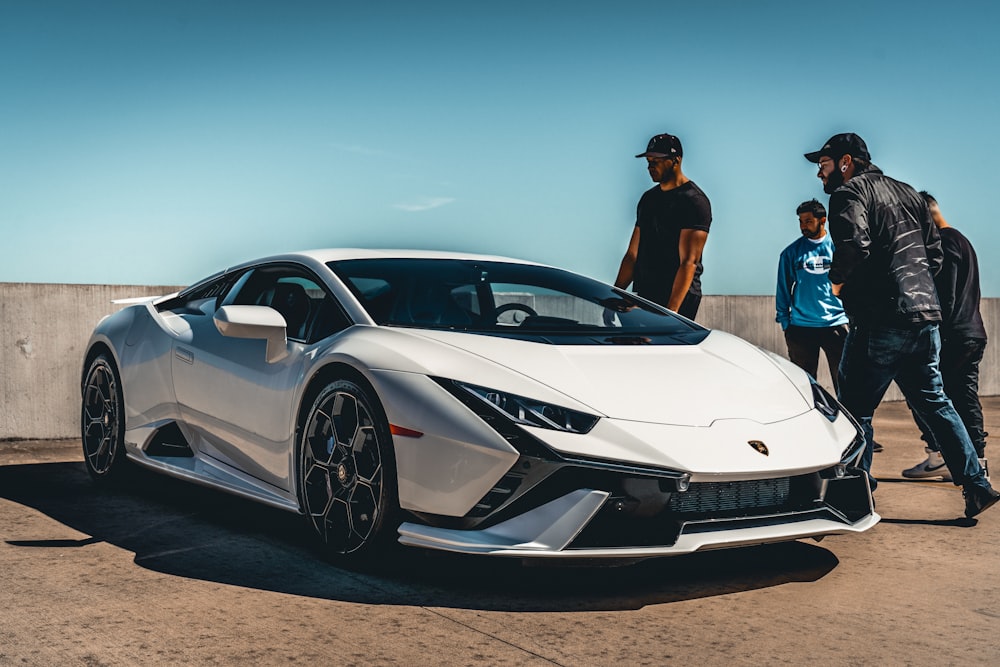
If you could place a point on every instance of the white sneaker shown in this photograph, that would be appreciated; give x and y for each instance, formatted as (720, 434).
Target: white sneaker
(934, 466)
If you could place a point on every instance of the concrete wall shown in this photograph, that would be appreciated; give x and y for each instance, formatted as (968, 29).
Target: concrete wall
(752, 318)
(44, 328)
(43, 331)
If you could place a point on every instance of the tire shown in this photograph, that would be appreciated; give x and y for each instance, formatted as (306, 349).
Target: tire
(102, 422)
(347, 472)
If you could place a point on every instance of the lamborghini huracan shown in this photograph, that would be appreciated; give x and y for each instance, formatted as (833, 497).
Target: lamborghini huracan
(472, 404)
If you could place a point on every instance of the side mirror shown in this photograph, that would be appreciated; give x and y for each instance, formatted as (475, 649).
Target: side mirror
(258, 322)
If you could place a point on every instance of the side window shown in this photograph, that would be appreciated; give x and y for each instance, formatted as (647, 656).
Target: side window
(202, 299)
(310, 313)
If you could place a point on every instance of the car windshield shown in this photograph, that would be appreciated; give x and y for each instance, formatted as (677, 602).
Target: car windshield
(508, 299)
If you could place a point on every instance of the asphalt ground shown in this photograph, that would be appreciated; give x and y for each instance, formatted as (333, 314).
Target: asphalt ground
(162, 572)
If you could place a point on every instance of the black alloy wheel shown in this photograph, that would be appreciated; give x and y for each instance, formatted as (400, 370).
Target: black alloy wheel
(102, 421)
(347, 472)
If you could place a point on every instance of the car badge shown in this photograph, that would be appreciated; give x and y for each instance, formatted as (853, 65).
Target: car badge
(759, 446)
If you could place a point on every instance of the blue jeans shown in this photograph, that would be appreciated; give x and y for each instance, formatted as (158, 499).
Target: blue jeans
(876, 355)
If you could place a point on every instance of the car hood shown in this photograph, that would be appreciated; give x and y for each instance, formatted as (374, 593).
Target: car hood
(723, 377)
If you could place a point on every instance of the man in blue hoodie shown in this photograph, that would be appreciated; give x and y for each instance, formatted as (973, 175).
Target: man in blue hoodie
(811, 316)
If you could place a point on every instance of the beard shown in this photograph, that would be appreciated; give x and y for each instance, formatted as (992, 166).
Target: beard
(833, 181)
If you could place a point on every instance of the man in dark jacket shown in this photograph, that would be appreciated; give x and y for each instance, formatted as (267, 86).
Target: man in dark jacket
(963, 341)
(886, 252)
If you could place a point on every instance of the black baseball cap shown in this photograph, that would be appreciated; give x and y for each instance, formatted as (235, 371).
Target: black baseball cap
(663, 145)
(847, 143)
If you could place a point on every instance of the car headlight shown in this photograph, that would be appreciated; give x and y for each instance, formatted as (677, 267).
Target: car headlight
(530, 412)
(852, 455)
(824, 402)
(831, 408)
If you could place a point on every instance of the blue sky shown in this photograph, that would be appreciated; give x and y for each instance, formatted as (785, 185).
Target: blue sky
(157, 142)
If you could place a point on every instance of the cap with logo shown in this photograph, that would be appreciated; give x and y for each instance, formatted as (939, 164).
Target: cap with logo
(663, 145)
(839, 145)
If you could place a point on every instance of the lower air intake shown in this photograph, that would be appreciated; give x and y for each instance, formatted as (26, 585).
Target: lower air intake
(714, 497)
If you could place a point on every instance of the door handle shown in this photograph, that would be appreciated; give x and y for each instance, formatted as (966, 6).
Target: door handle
(186, 356)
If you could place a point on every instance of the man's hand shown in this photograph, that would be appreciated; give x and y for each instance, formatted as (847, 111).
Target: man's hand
(614, 305)
(617, 304)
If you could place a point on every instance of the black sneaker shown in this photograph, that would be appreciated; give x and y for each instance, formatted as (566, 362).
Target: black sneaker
(876, 447)
(978, 499)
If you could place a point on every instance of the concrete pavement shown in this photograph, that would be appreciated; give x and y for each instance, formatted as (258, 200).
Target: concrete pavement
(168, 573)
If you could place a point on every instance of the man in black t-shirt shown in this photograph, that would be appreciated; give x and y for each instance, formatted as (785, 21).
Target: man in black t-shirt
(663, 260)
(963, 341)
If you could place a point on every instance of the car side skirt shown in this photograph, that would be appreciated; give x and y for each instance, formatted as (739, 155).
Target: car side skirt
(199, 468)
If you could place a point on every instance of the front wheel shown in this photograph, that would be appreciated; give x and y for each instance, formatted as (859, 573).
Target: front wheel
(102, 421)
(347, 473)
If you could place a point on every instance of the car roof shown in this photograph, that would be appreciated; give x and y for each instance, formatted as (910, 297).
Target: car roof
(320, 257)
(324, 255)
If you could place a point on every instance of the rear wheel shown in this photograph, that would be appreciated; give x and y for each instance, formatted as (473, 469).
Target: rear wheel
(102, 421)
(347, 473)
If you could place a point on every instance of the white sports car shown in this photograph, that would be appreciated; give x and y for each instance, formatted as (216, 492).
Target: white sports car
(472, 404)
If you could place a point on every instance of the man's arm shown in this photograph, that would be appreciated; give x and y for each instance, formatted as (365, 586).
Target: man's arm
(626, 272)
(690, 247)
(932, 242)
(946, 281)
(848, 223)
(783, 292)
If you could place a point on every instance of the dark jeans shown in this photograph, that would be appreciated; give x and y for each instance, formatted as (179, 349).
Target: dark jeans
(804, 344)
(960, 358)
(874, 356)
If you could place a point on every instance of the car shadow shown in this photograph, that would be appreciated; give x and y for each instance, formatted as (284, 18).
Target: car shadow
(185, 530)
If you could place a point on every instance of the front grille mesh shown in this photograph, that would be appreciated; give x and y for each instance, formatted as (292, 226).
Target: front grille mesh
(713, 497)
